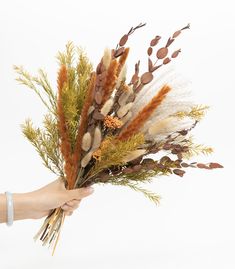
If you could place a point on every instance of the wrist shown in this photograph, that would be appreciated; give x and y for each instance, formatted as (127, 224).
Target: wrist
(23, 206)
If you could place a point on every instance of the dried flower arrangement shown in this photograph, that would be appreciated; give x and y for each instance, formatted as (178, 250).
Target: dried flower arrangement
(101, 129)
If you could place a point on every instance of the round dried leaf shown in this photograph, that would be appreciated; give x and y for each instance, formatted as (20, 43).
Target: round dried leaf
(146, 77)
(123, 40)
(162, 53)
(150, 51)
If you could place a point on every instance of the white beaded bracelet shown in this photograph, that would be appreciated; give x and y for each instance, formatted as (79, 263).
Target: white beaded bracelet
(10, 208)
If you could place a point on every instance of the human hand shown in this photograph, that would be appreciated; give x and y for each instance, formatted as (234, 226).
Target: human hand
(39, 203)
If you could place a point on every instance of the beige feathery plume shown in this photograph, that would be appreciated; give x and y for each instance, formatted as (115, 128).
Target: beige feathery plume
(136, 124)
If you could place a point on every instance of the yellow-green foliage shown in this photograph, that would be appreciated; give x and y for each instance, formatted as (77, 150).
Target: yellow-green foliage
(197, 112)
(75, 89)
(46, 143)
(45, 92)
(79, 69)
(114, 151)
(196, 149)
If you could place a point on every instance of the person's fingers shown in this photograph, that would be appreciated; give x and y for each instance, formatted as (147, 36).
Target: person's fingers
(79, 193)
(73, 203)
(68, 213)
(66, 207)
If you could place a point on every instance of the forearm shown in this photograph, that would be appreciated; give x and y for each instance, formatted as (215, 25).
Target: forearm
(23, 206)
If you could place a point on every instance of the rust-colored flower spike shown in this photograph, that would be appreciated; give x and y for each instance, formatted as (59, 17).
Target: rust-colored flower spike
(65, 143)
(137, 123)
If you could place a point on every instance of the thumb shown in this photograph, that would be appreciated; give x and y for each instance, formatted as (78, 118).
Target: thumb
(79, 193)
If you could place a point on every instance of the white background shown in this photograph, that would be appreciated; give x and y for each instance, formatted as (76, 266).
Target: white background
(115, 227)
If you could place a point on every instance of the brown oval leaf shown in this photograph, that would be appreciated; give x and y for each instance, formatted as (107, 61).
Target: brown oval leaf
(166, 60)
(215, 165)
(177, 33)
(123, 40)
(179, 172)
(150, 51)
(202, 166)
(184, 165)
(175, 53)
(146, 77)
(153, 42)
(162, 53)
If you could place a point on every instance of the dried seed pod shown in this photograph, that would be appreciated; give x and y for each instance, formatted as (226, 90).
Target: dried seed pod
(175, 53)
(97, 138)
(123, 40)
(85, 160)
(179, 172)
(150, 51)
(126, 117)
(107, 107)
(122, 111)
(146, 77)
(133, 155)
(86, 141)
(162, 53)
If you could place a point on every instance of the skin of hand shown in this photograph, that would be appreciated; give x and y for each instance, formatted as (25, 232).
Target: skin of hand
(39, 203)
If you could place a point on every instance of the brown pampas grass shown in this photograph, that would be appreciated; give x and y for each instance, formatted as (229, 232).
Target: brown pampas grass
(111, 80)
(65, 143)
(83, 123)
(144, 114)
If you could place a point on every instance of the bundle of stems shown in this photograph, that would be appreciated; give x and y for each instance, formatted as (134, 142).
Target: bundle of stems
(100, 128)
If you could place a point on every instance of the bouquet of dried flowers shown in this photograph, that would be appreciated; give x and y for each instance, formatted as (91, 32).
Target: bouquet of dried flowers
(100, 128)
